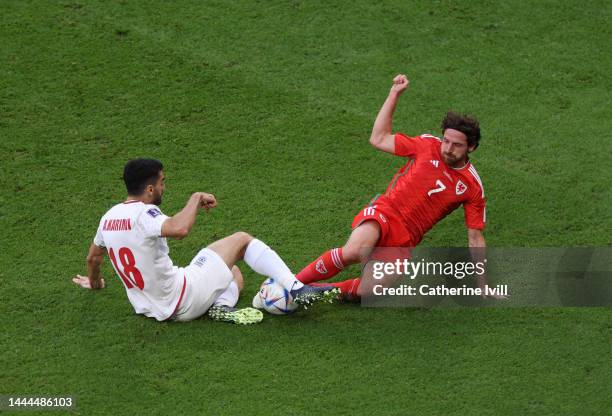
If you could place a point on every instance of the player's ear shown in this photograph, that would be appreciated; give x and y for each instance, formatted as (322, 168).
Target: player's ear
(471, 148)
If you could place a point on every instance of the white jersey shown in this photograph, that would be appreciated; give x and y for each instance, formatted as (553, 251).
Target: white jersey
(131, 233)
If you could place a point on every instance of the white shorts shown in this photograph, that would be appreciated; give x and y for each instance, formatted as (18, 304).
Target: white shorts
(207, 278)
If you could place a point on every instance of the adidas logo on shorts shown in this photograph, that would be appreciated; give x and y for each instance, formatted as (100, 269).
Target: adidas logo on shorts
(200, 261)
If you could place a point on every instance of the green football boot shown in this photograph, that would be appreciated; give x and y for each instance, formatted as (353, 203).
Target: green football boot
(244, 316)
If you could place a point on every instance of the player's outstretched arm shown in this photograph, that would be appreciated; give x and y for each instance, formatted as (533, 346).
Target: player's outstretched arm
(478, 246)
(382, 136)
(93, 280)
(180, 224)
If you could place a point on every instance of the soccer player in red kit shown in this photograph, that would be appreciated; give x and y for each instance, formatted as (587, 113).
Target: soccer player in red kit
(437, 178)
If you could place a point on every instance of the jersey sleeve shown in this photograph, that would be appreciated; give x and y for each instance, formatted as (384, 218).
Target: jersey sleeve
(407, 146)
(151, 221)
(98, 238)
(475, 210)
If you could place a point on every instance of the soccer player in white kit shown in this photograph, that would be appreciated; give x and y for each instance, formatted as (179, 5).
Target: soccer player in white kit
(134, 233)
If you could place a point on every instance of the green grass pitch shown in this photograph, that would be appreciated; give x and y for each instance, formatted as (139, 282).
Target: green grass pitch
(269, 106)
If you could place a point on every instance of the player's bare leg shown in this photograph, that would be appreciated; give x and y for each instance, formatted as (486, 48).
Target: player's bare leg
(230, 296)
(232, 248)
(238, 278)
(362, 241)
(358, 247)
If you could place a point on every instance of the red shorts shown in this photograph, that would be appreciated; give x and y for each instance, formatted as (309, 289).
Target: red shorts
(393, 232)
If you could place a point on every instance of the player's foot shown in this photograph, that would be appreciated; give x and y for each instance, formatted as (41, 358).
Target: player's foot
(243, 316)
(307, 294)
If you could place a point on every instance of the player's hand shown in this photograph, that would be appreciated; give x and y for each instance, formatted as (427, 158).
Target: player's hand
(87, 283)
(207, 201)
(400, 84)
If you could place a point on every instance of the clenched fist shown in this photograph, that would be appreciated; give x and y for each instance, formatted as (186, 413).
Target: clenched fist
(400, 84)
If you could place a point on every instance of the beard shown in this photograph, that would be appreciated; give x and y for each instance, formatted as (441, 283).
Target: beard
(449, 159)
(157, 199)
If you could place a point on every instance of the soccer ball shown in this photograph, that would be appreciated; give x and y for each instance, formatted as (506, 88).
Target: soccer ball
(274, 298)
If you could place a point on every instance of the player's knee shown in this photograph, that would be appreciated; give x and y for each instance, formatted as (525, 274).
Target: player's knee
(360, 243)
(242, 237)
(351, 254)
(354, 252)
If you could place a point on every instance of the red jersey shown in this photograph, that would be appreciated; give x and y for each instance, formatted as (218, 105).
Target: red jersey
(426, 189)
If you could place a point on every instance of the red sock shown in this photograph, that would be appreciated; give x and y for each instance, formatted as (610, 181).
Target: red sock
(328, 265)
(348, 287)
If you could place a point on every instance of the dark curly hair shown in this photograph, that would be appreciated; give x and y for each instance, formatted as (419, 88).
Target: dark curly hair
(466, 124)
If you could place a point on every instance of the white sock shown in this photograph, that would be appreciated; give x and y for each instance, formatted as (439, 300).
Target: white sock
(230, 296)
(264, 260)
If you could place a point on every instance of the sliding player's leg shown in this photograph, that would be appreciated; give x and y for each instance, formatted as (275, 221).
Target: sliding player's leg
(357, 248)
(349, 289)
(355, 289)
(396, 245)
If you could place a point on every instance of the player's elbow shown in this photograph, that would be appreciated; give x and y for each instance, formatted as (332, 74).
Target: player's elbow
(382, 141)
(174, 228)
(181, 233)
(477, 243)
(94, 259)
(376, 139)
(476, 238)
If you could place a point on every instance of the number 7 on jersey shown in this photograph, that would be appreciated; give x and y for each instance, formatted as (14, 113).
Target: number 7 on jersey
(440, 188)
